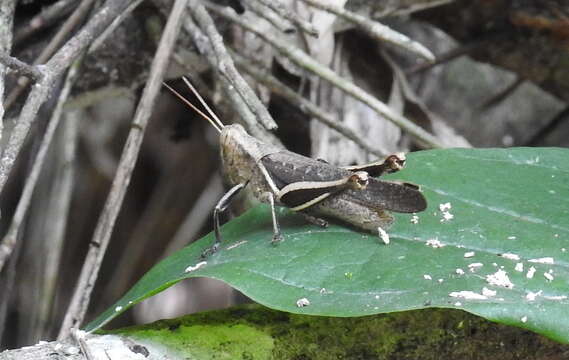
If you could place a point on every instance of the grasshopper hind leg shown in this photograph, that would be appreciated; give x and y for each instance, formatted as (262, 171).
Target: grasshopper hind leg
(221, 206)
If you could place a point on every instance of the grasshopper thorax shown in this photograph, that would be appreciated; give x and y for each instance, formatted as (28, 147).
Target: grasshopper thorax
(240, 155)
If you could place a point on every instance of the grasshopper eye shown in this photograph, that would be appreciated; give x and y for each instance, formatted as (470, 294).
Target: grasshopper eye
(395, 162)
(359, 180)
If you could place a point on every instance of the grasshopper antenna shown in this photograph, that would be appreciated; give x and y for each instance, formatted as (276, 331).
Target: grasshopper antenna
(197, 94)
(215, 125)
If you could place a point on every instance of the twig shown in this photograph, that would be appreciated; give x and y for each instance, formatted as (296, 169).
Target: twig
(51, 47)
(448, 56)
(263, 76)
(20, 67)
(58, 216)
(9, 241)
(306, 61)
(375, 29)
(82, 294)
(225, 64)
(503, 94)
(272, 17)
(52, 70)
(201, 210)
(296, 19)
(6, 21)
(48, 16)
(239, 105)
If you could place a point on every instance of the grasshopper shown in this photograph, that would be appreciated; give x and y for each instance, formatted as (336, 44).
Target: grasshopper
(311, 187)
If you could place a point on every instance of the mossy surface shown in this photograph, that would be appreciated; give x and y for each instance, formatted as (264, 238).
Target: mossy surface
(255, 332)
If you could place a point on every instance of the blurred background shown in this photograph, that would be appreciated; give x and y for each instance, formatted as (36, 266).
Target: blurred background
(500, 80)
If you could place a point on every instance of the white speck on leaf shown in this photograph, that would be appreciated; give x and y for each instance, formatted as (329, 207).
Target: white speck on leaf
(468, 295)
(499, 278)
(531, 272)
(383, 235)
(195, 267)
(445, 207)
(548, 276)
(511, 238)
(469, 254)
(519, 267)
(474, 266)
(524, 319)
(510, 256)
(488, 292)
(414, 219)
(237, 244)
(427, 277)
(302, 302)
(118, 308)
(435, 243)
(543, 260)
(459, 271)
(531, 296)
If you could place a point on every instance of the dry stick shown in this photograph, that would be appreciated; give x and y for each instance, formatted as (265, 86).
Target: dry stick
(56, 220)
(263, 76)
(54, 68)
(294, 18)
(375, 29)
(306, 61)
(225, 64)
(203, 44)
(6, 21)
(197, 216)
(9, 241)
(48, 16)
(82, 294)
(20, 67)
(52, 46)
(272, 17)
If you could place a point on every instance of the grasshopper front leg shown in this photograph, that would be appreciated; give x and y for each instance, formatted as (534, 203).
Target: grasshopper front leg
(221, 206)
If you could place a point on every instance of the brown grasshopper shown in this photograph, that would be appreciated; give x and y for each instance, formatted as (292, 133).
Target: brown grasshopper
(311, 187)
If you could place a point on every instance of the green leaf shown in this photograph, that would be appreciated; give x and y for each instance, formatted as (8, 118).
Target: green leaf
(506, 204)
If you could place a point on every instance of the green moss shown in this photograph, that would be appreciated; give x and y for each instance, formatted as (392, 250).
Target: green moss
(255, 332)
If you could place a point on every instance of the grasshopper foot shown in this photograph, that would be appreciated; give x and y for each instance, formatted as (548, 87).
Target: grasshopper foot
(209, 251)
(315, 220)
(277, 238)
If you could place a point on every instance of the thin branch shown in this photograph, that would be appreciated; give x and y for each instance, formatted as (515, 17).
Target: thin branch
(306, 61)
(20, 67)
(196, 217)
(89, 273)
(239, 105)
(294, 18)
(9, 241)
(52, 70)
(375, 29)
(225, 64)
(63, 33)
(263, 76)
(48, 16)
(266, 13)
(6, 22)
(57, 218)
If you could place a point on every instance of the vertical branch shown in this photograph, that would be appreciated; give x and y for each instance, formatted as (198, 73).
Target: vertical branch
(82, 294)
(6, 23)
(225, 64)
